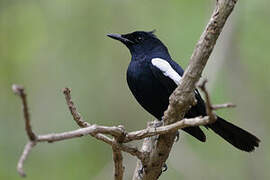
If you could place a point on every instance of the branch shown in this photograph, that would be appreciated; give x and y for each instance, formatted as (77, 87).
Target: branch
(118, 163)
(222, 106)
(153, 131)
(101, 132)
(28, 147)
(19, 90)
(119, 131)
(183, 97)
(209, 108)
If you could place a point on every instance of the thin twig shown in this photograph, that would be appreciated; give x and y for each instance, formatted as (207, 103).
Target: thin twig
(19, 90)
(73, 110)
(119, 133)
(209, 109)
(222, 106)
(28, 147)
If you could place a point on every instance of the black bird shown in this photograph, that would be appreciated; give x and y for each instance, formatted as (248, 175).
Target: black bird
(152, 76)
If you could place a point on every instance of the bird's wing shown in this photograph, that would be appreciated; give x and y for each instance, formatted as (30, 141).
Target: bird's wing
(168, 76)
(165, 74)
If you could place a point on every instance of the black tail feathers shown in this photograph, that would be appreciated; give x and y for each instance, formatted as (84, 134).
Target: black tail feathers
(236, 136)
(196, 132)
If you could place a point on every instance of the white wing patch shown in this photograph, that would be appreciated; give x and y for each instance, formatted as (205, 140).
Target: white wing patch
(166, 69)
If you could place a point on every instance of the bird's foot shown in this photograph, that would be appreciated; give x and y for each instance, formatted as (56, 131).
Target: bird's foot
(158, 124)
(140, 172)
(177, 137)
(164, 167)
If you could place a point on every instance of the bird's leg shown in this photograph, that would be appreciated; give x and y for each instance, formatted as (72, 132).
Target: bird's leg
(177, 136)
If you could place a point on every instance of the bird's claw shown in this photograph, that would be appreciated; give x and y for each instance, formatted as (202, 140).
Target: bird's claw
(140, 172)
(177, 136)
(164, 167)
(159, 123)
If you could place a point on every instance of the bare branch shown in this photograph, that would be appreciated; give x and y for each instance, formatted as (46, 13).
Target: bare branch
(94, 130)
(183, 97)
(119, 134)
(136, 135)
(118, 163)
(99, 133)
(222, 106)
(28, 147)
(19, 90)
(209, 109)
(147, 149)
(75, 114)
(153, 131)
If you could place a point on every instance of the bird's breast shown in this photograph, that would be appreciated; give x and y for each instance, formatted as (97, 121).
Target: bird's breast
(148, 91)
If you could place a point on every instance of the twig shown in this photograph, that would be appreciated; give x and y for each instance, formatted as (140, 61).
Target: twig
(153, 131)
(209, 108)
(222, 106)
(75, 114)
(28, 147)
(19, 90)
(120, 131)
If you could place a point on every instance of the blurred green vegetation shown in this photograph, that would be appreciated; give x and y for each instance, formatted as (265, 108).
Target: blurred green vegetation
(48, 45)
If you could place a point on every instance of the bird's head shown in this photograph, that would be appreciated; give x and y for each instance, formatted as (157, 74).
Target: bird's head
(140, 42)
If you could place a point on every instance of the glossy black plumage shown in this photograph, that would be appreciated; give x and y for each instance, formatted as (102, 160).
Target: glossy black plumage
(152, 87)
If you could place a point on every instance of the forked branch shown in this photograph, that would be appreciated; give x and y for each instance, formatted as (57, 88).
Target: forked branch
(118, 133)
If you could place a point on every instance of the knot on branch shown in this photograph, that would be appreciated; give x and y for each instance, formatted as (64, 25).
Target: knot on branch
(122, 135)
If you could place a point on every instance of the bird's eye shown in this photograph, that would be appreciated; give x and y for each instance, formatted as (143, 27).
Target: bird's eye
(139, 38)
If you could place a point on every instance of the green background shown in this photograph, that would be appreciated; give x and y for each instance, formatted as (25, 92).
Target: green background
(48, 45)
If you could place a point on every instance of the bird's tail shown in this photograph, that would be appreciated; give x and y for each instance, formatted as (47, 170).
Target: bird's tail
(236, 136)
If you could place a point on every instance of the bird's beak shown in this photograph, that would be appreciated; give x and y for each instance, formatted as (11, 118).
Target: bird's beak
(119, 37)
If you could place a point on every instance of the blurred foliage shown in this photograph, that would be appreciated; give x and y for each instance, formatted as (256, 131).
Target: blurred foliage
(48, 45)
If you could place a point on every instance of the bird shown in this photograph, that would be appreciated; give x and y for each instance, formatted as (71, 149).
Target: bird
(152, 76)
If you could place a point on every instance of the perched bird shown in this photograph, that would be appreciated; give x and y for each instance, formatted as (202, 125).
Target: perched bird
(152, 76)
